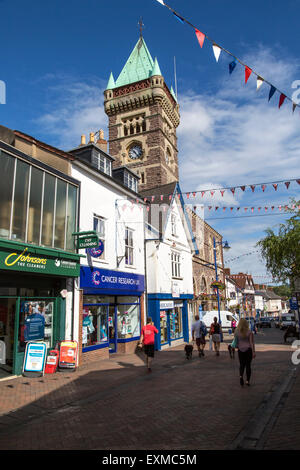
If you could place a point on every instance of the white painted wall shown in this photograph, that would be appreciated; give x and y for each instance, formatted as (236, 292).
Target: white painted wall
(159, 266)
(99, 197)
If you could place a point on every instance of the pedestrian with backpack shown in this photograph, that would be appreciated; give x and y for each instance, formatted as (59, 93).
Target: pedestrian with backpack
(215, 333)
(199, 332)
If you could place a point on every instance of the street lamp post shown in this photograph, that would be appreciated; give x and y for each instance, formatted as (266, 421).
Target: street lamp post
(225, 247)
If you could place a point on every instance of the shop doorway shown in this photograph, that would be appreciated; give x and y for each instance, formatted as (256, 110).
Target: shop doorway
(7, 333)
(113, 329)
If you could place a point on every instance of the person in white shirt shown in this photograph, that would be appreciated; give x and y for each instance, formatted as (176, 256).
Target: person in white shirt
(198, 334)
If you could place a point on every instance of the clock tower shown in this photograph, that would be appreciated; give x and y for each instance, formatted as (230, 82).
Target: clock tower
(143, 116)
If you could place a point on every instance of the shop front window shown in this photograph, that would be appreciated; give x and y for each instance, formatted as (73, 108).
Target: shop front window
(128, 321)
(20, 201)
(95, 325)
(6, 187)
(176, 323)
(36, 322)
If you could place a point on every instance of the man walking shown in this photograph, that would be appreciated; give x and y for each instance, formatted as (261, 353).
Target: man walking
(198, 333)
(147, 340)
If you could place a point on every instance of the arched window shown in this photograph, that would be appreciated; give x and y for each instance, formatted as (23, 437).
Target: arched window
(203, 286)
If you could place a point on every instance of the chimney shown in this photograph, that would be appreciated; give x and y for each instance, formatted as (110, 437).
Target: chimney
(227, 271)
(83, 139)
(101, 142)
(92, 138)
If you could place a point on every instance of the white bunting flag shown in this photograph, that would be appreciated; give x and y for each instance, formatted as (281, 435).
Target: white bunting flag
(259, 83)
(161, 2)
(217, 51)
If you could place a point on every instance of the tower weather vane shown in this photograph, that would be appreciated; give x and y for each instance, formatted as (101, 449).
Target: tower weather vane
(141, 24)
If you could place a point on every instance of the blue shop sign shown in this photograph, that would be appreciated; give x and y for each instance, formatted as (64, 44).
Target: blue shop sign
(113, 280)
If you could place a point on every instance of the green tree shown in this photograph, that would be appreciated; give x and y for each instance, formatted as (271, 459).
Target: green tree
(281, 251)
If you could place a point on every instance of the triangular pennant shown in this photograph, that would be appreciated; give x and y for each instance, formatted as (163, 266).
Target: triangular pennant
(212, 193)
(279, 207)
(258, 209)
(145, 199)
(246, 209)
(272, 208)
(152, 198)
(259, 83)
(178, 17)
(238, 208)
(161, 197)
(188, 195)
(161, 2)
(232, 190)
(222, 192)
(275, 186)
(248, 72)
(209, 207)
(266, 209)
(194, 194)
(216, 208)
(170, 197)
(287, 183)
(281, 100)
(298, 181)
(252, 209)
(232, 66)
(253, 188)
(231, 209)
(217, 51)
(263, 187)
(272, 91)
(202, 193)
(224, 209)
(294, 106)
(200, 37)
(243, 188)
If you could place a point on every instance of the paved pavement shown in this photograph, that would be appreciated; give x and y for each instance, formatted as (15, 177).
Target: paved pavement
(198, 404)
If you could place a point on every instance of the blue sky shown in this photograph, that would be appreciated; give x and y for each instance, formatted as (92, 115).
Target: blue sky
(56, 58)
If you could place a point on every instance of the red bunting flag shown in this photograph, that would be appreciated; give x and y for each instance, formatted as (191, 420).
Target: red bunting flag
(272, 208)
(281, 99)
(275, 186)
(298, 181)
(148, 208)
(252, 209)
(145, 199)
(200, 37)
(161, 197)
(194, 194)
(287, 183)
(209, 207)
(279, 207)
(224, 209)
(258, 209)
(202, 193)
(232, 190)
(217, 207)
(243, 188)
(188, 195)
(285, 208)
(231, 208)
(212, 193)
(266, 209)
(152, 198)
(263, 187)
(170, 197)
(222, 192)
(246, 208)
(253, 188)
(248, 72)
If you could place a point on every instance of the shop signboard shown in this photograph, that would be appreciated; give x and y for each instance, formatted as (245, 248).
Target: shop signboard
(27, 258)
(87, 242)
(35, 357)
(68, 355)
(107, 279)
(34, 327)
(166, 304)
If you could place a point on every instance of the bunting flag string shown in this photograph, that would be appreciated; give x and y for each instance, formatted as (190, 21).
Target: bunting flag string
(217, 49)
(222, 191)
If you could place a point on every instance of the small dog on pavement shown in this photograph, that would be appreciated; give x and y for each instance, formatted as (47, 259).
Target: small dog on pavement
(189, 351)
(231, 351)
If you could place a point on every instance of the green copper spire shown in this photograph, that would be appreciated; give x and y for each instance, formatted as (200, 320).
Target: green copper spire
(111, 82)
(156, 69)
(138, 67)
(173, 93)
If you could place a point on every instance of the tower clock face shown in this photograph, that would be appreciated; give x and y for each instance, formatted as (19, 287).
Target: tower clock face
(135, 152)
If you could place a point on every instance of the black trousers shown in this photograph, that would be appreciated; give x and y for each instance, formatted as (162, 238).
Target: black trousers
(245, 359)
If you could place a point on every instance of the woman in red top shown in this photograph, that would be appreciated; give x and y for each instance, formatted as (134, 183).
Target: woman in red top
(147, 340)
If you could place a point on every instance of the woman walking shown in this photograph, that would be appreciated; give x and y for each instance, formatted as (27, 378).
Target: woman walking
(246, 349)
(215, 333)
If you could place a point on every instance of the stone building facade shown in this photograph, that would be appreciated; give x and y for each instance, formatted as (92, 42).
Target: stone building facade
(143, 116)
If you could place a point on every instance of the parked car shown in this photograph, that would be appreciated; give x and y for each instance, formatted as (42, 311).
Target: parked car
(226, 318)
(287, 320)
(265, 322)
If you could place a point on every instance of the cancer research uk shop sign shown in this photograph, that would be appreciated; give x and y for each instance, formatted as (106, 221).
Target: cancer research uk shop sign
(110, 280)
